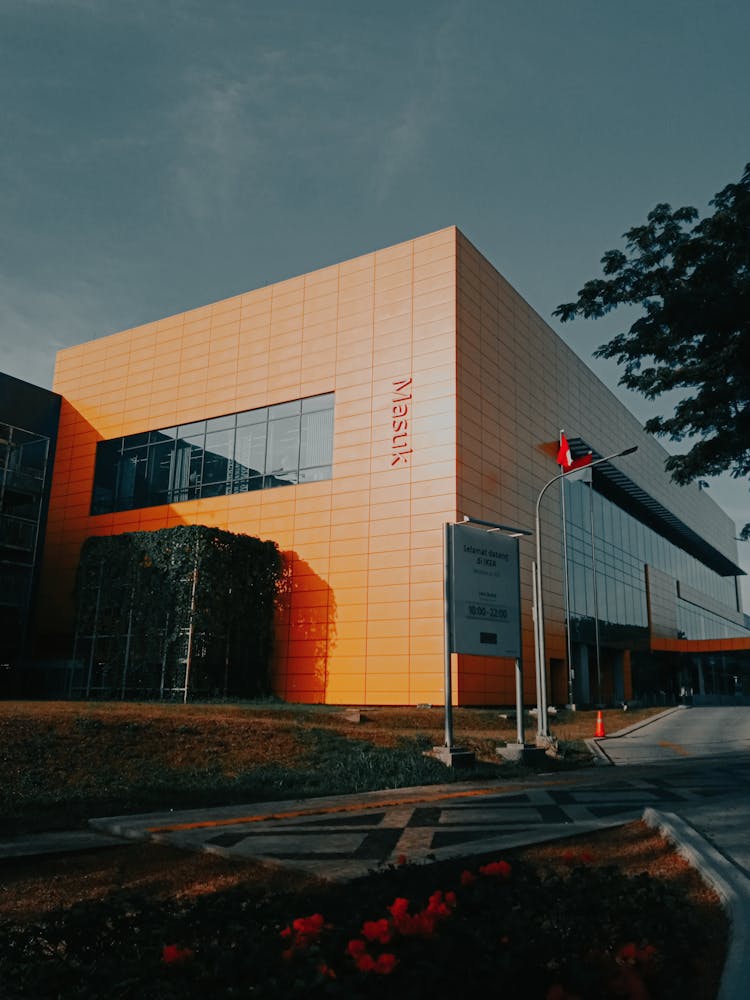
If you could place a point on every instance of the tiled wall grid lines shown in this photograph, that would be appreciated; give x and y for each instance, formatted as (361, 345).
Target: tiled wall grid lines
(364, 624)
(398, 665)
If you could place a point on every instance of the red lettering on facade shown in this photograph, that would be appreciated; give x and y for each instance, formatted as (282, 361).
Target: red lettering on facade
(401, 401)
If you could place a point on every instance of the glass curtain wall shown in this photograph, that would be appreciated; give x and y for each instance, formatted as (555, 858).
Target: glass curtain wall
(620, 548)
(23, 470)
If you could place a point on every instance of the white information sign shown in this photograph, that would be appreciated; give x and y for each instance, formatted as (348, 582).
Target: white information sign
(484, 592)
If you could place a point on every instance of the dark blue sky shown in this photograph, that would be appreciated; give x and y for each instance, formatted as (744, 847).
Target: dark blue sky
(161, 155)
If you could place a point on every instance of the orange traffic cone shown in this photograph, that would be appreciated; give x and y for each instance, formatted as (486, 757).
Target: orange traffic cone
(599, 731)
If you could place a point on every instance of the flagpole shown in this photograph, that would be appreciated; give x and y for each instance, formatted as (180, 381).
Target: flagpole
(566, 583)
(596, 598)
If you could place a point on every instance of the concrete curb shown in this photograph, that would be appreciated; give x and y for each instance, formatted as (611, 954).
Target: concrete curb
(731, 886)
(600, 754)
(56, 842)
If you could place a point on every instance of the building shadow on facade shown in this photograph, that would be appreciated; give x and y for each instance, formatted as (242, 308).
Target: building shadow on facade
(305, 632)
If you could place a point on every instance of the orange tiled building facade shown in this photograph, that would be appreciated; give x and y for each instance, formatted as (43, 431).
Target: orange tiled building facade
(447, 391)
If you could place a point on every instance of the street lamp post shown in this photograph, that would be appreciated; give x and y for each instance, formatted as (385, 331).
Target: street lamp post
(543, 735)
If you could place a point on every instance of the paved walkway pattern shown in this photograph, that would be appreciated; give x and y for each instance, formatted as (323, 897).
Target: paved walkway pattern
(348, 836)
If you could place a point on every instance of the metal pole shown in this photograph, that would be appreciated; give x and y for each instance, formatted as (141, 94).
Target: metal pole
(566, 582)
(596, 596)
(128, 640)
(447, 680)
(538, 646)
(95, 632)
(191, 629)
(542, 729)
(520, 739)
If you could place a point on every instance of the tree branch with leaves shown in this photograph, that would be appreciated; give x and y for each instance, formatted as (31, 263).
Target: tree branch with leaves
(692, 280)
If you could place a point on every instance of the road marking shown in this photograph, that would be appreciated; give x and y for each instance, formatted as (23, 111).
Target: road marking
(208, 824)
(674, 746)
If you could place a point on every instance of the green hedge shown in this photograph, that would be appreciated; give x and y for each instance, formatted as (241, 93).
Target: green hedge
(173, 613)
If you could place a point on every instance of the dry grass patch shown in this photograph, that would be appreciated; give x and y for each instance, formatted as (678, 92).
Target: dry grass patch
(64, 762)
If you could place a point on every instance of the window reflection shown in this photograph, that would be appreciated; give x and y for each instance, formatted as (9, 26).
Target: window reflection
(237, 453)
(623, 547)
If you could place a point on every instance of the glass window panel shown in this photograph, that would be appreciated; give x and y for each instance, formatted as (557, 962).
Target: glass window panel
(250, 451)
(132, 479)
(167, 433)
(20, 503)
(258, 416)
(17, 534)
(316, 445)
(218, 454)
(287, 479)
(33, 457)
(614, 611)
(315, 475)
(284, 409)
(135, 440)
(248, 484)
(186, 471)
(105, 476)
(221, 423)
(195, 430)
(317, 403)
(282, 453)
(598, 517)
(579, 589)
(22, 437)
(215, 489)
(160, 460)
(4, 448)
(196, 472)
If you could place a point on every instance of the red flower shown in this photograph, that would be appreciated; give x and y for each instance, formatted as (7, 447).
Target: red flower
(499, 868)
(326, 970)
(385, 964)
(356, 947)
(303, 932)
(172, 954)
(366, 963)
(420, 925)
(627, 954)
(309, 926)
(399, 907)
(631, 954)
(401, 860)
(467, 877)
(439, 905)
(377, 930)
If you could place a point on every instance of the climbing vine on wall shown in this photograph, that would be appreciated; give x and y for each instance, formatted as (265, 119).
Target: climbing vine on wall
(177, 613)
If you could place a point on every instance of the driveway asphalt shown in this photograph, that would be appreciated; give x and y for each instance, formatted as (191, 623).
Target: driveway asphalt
(698, 796)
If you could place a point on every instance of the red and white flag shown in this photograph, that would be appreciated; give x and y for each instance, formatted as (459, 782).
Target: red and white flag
(566, 461)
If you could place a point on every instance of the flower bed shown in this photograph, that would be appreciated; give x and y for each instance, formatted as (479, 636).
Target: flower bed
(494, 927)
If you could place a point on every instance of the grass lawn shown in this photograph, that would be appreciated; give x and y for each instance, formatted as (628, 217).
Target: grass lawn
(64, 762)
(613, 914)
